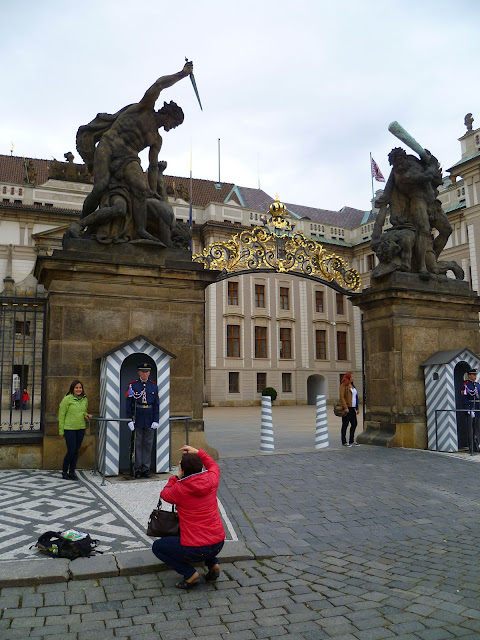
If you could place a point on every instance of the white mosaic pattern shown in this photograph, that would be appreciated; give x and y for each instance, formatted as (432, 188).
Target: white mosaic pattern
(35, 501)
(32, 502)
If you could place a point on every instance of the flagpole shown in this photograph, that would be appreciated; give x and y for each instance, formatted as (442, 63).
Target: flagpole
(190, 215)
(371, 174)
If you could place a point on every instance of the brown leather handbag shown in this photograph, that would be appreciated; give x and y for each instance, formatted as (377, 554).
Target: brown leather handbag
(338, 409)
(162, 524)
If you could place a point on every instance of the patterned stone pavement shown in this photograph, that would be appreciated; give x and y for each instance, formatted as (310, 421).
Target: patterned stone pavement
(35, 501)
(358, 543)
(32, 502)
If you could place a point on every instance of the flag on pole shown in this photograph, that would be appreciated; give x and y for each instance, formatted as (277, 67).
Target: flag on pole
(376, 173)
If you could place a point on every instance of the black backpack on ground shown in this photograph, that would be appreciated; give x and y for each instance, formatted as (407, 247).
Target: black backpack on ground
(56, 545)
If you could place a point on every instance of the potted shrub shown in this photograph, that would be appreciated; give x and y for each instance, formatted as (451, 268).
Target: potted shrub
(270, 391)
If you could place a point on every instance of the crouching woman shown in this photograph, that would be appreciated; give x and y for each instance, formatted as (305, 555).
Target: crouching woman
(194, 492)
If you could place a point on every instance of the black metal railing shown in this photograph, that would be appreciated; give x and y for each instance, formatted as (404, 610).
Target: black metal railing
(100, 450)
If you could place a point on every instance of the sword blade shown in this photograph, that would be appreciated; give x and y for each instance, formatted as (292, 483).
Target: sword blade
(194, 85)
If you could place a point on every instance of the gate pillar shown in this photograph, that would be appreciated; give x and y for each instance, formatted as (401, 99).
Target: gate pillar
(406, 320)
(103, 296)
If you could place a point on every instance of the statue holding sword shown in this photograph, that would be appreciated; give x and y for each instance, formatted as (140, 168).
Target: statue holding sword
(110, 145)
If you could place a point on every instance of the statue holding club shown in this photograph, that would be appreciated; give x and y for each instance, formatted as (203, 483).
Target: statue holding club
(411, 199)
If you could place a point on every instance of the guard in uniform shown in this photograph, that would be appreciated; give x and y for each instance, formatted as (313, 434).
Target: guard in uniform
(143, 411)
(471, 401)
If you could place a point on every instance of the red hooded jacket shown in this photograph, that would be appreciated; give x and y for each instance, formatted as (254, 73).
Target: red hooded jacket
(196, 500)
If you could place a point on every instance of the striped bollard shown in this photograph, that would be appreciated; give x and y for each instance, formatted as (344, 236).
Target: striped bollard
(321, 427)
(266, 433)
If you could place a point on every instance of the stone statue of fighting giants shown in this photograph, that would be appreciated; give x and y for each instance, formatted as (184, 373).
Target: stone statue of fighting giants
(122, 206)
(410, 198)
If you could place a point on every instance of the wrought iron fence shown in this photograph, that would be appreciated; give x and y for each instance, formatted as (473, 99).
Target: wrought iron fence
(22, 321)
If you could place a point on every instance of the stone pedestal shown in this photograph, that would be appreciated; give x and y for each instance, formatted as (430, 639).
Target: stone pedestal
(101, 296)
(407, 320)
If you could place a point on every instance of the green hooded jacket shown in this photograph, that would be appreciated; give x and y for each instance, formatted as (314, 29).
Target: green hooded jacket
(72, 412)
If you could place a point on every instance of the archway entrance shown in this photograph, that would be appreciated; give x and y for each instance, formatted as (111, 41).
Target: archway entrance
(316, 386)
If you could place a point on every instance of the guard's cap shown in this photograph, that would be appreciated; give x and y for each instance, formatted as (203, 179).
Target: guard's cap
(472, 371)
(144, 366)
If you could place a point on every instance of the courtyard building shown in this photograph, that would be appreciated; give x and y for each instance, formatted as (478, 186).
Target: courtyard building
(262, 329)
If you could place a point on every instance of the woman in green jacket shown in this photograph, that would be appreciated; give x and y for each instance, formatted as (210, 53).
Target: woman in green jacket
(71, 426)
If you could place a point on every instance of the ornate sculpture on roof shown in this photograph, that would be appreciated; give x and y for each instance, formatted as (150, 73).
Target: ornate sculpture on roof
(68, 170)
(122, 207)
(410, 199)
(179, 191)
(31, 177)
(469, 122)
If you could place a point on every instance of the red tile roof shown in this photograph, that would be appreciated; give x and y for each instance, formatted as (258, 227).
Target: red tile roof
(42, 208)
(12, 170)
(347, 217)
(256, 199)
(204, 191)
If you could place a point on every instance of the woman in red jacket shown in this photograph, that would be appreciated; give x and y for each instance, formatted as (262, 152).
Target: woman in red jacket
(201, 530)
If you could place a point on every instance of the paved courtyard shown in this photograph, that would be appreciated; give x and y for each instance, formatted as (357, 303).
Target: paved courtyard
(235, 431)
(357, 543)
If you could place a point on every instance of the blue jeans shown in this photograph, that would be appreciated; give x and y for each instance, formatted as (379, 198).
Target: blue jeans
(73, 440)
(170, 551)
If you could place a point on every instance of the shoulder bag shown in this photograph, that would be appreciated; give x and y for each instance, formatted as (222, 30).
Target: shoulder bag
(162, 524)
(338, 409)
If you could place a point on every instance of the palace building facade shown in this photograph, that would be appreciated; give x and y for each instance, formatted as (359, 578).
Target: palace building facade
(263, 329)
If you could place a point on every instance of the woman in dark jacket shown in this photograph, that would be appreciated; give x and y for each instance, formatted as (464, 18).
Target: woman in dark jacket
(201, 530)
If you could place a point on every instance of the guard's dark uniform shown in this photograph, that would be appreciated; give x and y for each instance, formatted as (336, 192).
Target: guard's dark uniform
(471, 401)
(143, 410)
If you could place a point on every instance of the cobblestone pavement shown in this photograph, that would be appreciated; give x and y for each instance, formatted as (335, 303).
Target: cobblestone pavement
(357, 543)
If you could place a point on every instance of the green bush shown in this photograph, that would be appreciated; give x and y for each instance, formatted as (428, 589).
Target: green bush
(270, 391)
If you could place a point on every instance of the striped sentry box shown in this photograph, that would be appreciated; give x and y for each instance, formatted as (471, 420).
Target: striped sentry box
(266, 429)
(111, 397)
(321, 427)
(440, 394)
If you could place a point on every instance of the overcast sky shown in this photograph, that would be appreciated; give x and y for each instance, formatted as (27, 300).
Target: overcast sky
(299, 93)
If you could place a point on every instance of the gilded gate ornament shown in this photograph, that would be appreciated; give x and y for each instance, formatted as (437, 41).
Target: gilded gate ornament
(259, 248)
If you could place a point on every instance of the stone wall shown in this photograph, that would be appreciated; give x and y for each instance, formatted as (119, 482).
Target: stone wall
(102, 296)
